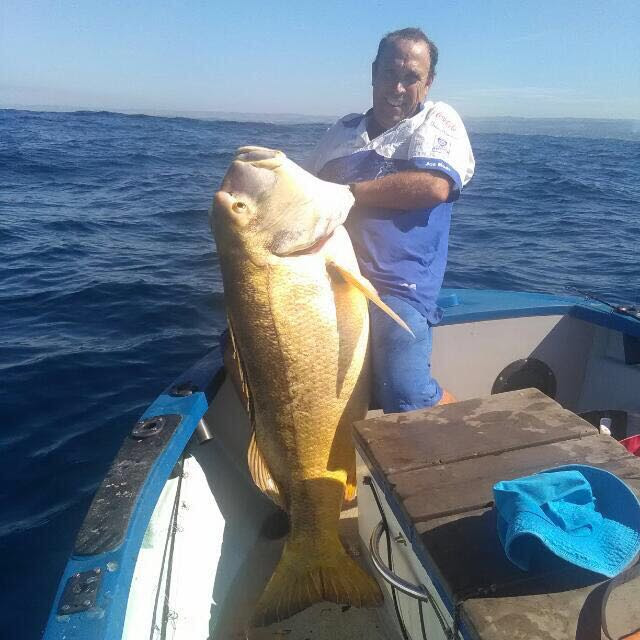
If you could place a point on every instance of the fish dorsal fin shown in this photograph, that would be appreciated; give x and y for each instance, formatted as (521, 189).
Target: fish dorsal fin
(260, 472)
(368, 290)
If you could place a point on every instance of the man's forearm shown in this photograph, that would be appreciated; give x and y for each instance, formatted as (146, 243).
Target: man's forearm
(404, 190)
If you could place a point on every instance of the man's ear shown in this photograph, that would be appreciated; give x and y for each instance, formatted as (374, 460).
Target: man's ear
(427, 88)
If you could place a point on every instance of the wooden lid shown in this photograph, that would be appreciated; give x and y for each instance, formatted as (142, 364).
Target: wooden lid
(437, 468)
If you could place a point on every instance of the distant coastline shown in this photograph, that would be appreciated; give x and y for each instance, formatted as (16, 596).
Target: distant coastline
(626, 129)
(235, 116)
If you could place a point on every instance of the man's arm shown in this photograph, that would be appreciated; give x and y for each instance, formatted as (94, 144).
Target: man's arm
(405, 190)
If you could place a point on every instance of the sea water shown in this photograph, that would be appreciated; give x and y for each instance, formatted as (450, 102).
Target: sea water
(110, 285)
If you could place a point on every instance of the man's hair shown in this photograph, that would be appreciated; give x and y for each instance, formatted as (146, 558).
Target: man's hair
(417, 35)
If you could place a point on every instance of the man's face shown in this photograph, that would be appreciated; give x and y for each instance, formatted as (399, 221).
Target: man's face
(399, 79)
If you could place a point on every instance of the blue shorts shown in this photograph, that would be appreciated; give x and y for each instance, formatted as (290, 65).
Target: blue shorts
(401, 364)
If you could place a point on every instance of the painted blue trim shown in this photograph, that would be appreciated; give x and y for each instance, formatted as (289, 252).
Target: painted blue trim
(436, 164)
(105, 621)
(205, 374)
(605, 317)
(476, 305)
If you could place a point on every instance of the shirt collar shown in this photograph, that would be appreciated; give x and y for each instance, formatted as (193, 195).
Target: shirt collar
(410, 124)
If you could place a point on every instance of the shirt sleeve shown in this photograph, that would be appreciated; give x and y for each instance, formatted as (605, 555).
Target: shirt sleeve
(337, 141)
(322, 152)
(315, 160)
(441, 144)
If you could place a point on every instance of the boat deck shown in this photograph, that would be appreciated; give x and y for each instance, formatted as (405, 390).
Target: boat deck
(323, 621)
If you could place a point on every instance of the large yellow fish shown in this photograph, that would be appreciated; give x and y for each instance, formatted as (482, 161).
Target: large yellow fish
(297, 309)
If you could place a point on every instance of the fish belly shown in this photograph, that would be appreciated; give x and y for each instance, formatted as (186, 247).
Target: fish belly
(303, 338)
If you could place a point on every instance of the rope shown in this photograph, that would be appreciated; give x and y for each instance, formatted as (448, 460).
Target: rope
(168, 549)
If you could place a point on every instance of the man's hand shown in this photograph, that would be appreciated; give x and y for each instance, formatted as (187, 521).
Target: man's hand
(405, 190)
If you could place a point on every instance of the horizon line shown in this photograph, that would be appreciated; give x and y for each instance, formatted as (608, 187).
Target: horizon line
(249, 116)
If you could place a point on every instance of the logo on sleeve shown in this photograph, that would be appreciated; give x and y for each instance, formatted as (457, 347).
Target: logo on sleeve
(445, 124)
(441, 145)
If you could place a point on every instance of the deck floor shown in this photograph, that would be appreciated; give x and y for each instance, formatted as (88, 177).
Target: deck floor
(247, 562)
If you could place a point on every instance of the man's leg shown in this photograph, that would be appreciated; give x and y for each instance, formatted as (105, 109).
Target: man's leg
(402, 364)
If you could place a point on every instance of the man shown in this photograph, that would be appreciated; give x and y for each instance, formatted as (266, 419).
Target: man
(406, 161)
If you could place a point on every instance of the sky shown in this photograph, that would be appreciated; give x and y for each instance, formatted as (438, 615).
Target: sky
(550, 58)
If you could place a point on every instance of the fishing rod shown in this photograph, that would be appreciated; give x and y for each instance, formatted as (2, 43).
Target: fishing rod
(627, 310)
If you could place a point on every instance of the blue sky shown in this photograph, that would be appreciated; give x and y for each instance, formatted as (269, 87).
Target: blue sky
(545, 58)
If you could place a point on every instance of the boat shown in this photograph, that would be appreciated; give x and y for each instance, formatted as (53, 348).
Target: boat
(178, 543)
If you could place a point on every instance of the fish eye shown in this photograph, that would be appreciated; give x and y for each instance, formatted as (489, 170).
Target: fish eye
(239, 207)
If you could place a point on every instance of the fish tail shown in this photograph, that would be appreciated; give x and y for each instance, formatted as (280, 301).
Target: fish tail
(307, 575)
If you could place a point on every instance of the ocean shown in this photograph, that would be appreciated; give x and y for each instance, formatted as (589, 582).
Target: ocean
(111, 287)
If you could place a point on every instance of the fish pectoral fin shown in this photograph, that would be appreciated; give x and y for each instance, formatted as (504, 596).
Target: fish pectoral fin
(368, 290)
(261, 474)
(351, 486)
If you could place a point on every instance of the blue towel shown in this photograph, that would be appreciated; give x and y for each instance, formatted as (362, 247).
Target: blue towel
(584, 515)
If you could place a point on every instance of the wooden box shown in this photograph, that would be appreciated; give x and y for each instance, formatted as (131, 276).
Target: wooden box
(435, 469)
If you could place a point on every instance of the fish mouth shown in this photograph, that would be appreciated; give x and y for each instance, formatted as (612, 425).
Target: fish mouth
(310, 249)
(260, 157)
